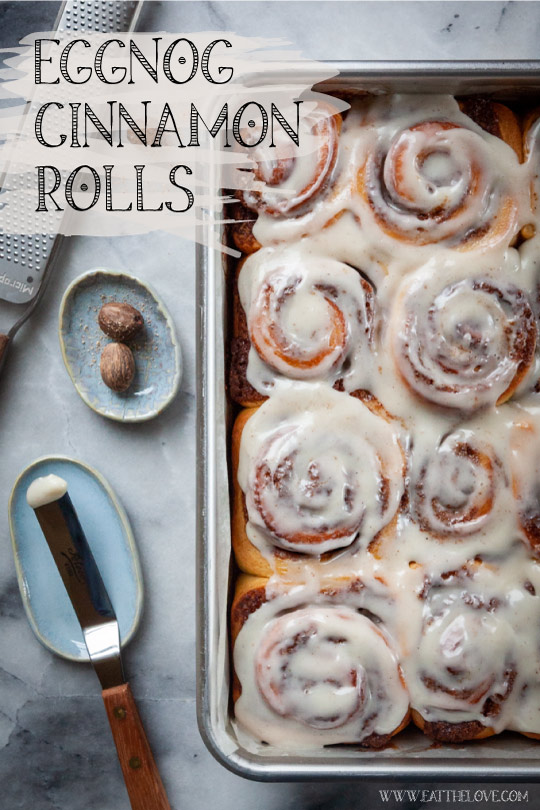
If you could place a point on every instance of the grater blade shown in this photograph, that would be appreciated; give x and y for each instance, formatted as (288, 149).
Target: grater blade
(25, 259)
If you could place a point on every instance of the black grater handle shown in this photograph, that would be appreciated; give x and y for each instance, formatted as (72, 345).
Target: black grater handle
(4, 344)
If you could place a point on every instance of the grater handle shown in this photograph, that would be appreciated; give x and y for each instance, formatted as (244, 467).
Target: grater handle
(4, 343)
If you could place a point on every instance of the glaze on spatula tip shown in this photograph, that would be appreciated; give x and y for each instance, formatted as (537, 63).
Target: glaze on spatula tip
(45, 490)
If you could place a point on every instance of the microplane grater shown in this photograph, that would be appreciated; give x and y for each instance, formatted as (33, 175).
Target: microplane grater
(27, 260)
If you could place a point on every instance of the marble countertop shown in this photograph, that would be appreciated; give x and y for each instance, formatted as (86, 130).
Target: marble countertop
(55, 746)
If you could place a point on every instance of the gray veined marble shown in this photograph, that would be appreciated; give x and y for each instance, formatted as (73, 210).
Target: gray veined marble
(56, 752)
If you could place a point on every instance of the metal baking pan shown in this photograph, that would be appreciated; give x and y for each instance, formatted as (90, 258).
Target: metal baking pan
(412, 756)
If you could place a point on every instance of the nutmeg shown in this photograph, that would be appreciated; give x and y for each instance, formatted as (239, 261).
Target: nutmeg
(117, 366)
(120, 321)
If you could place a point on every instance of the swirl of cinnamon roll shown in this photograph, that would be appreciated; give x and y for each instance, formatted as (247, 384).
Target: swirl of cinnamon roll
(464, 667)
(319, 470)
(436, 182)
(463, 343)
(330, 667)
(284, 180)
(455, 493)
(308, 317)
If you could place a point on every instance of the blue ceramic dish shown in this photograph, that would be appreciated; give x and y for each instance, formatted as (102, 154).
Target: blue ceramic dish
(156, 349)
(109, 535)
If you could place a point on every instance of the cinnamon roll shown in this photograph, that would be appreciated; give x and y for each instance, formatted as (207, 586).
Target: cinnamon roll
(242, 229)
(308, 318)
(284, 180)
(438, 181)
(317, 471)
(495, 118)
(248, 557)
(464, 668)
(526, 480)
(462, 342)
(312, 670)
(531, 127)
(525, 583)
(240, 389)
(455, 492)
(531, 147)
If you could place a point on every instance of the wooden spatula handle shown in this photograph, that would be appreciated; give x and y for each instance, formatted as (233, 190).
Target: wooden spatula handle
(143, 782)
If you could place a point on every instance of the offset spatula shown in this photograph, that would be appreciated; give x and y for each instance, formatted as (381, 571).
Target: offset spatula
(77, 567)
(27, 261)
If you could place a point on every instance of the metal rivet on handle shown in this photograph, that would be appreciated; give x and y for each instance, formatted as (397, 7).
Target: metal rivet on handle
(135, 763)
(120, 712)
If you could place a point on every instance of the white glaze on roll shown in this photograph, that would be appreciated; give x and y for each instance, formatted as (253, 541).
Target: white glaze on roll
(319, 470)
(309, 317)
(436, 181)
(532, 152)
(459, 486)
(285, 184)
(460, 341)
(467, 632)
(315, 673)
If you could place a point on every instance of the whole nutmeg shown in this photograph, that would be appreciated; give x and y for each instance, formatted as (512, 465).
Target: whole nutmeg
(120, 321)
(117, 366)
